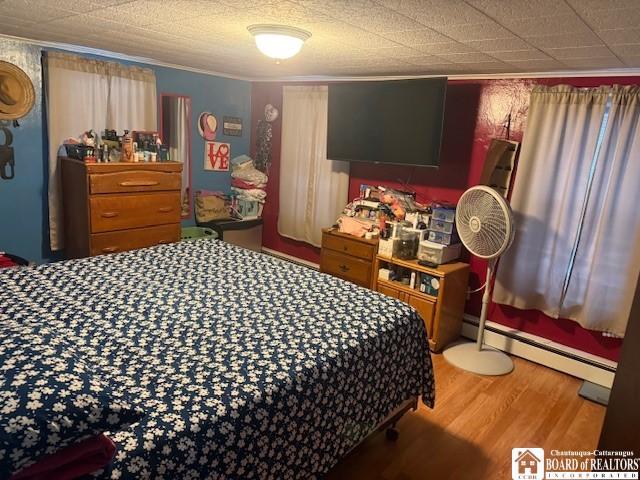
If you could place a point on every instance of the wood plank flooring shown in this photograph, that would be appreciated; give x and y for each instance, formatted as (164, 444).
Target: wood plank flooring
(475, 424)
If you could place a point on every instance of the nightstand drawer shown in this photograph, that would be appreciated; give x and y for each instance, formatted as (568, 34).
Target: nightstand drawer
(123, 240)
(346, 267)
(347, 246)
(120, 212)
(134, 181)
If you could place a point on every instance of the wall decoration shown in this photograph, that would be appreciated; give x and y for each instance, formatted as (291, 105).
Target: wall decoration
(7, 162)
(232, 126)
(264, 134)
(17, 94)
(207, 126)
(270, 112)
(216, 156)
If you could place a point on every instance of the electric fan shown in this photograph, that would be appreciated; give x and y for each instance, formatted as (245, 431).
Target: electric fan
(485, 225)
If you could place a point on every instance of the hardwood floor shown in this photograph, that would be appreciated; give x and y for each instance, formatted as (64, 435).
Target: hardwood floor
(475, 424)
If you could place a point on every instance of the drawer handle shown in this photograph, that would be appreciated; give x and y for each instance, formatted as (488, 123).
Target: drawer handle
(109, 214)
(163, 242)
(165, 209)
(110, 249)
(345, 248)
(138, 183)
(343, 268)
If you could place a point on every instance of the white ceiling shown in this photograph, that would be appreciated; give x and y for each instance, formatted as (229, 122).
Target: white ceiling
(350, 37)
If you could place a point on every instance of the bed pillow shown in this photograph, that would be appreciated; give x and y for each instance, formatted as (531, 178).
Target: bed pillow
(49, 398)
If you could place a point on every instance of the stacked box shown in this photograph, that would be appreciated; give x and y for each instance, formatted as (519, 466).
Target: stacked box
(442, 227)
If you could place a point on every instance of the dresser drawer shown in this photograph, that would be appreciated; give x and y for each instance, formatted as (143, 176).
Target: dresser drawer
(346, 267)
(134, 181)
(119, 211)
(348, 246)
(123, 240)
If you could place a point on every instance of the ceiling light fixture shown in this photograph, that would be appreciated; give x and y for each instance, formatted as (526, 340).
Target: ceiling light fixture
(278, 41)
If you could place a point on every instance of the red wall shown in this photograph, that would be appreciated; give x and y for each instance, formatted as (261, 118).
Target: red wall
(475, 112)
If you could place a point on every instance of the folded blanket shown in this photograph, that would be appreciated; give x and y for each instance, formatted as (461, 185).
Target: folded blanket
(74, 461)
(250, 194)
(250, 174)
(239, 183)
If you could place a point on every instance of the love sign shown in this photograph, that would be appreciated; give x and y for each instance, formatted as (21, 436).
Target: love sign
(217, 156)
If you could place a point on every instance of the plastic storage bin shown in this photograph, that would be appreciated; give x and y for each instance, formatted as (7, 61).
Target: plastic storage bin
(446, 214)
(194, 233)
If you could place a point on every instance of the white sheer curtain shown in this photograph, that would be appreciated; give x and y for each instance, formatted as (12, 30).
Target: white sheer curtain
(313, 190)
(85, 94)
(593, 258)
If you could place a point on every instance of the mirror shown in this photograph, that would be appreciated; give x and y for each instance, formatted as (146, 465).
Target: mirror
(175, 128)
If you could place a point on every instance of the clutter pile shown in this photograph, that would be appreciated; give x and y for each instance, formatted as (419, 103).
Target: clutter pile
(248, 186)
(406, 228)
(111, 147)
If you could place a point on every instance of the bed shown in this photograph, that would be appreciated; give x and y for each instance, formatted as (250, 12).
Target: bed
(246, 366)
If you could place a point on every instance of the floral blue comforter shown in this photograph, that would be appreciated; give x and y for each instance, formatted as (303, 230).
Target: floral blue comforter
(247, 367)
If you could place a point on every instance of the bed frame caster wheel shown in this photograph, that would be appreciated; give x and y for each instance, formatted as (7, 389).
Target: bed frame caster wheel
(392, 434)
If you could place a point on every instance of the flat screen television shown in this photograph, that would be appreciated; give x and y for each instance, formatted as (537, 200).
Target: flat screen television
(396, 121)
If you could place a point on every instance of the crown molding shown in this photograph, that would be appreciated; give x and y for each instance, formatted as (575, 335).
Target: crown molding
(614, 72)
(619, 72)
(123, 56)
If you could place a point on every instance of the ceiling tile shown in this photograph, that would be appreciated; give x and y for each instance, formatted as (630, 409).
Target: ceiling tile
(501, 10)
(425, 60)
(631, 60)
(520, 55)
(625, 50)
(499, 45)
(438, 48)
(539, 26)
(417, 37)
(601, 4)
(594, 62)
(434, 13)
(398, 51)
(620, 36)
(612, 18)
(565, 40)
(33, 10)
(350, 35)
(382, 20)
(467, 57)
(579, 52)
(478, 31)
(340, 9)
(538, 65)
(149, 12)
(286, 12)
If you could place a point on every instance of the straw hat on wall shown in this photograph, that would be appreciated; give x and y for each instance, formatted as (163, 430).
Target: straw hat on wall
(17, 94)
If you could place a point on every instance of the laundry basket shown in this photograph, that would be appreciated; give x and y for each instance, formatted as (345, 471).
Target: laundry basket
(194, 233)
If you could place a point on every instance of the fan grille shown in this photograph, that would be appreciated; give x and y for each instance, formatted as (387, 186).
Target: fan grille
(484, 223)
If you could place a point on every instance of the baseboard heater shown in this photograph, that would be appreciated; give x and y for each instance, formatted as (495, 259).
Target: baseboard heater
(290, 258)
(591, 368)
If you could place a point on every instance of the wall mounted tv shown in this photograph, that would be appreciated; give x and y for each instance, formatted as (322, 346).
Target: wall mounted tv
(396, 121)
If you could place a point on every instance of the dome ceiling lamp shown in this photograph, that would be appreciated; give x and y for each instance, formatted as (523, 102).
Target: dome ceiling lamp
(278, 41)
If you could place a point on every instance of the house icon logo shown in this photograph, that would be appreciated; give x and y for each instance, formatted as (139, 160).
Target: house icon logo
(527, 463)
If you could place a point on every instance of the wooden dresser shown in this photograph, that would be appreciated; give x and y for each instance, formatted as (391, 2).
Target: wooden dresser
(442, 311)
(348, 257)
(114, 207)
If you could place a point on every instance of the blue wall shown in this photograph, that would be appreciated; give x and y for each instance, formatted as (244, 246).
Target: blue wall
(23, 200)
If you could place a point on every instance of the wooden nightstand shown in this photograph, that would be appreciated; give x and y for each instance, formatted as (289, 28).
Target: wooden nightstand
(348, 257)
(441, 312)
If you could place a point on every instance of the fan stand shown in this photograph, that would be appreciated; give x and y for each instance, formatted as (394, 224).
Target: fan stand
(476, 357)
